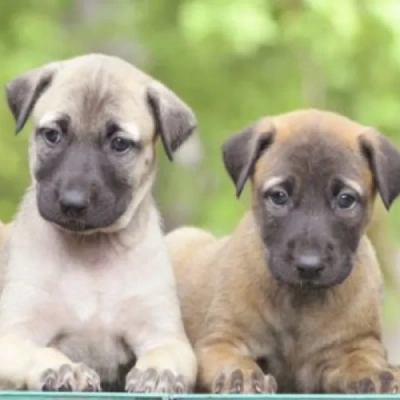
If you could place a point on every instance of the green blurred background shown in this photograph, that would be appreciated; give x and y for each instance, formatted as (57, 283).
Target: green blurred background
(232, 61)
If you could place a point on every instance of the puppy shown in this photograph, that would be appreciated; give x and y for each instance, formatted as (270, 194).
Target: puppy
(89, 297)
(291, 298)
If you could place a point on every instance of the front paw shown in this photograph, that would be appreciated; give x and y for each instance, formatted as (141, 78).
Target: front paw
(152, 380)
(385, 381)
(69, 377)
(244, 381)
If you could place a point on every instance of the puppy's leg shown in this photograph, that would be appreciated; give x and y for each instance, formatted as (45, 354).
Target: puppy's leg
(26, 362)
(165, 358)
(363, 369)
(25, 365)
(226, 367)
(170, 368)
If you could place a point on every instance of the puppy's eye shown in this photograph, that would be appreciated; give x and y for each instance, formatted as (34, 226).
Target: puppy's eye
(346, 200)
(278, 197)
(52, 136)
(121, 145)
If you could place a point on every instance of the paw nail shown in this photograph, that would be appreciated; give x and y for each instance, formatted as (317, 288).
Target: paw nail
(257, 388)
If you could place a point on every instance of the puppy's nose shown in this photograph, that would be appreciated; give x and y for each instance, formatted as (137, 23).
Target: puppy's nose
(73, 203)
(309, 266)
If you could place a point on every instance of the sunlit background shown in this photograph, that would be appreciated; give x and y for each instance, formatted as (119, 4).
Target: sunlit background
(232, 61)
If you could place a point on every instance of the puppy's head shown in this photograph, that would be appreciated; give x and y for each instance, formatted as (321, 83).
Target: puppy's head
(314, 178)
(92, 154)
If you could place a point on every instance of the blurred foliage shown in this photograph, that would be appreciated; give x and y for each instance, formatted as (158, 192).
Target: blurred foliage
(232, 61)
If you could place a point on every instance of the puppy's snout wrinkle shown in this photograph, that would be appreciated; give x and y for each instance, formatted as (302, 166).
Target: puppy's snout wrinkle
(74, 202)
(309, 266)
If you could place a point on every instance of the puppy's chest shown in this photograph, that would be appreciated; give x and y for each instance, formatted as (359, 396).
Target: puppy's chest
(92, 307)
(94, 293)
(288, 339)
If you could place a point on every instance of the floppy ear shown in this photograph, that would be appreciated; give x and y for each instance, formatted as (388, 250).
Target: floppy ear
(384, 161)
(23, 91)
(174, 120)
(241, 151)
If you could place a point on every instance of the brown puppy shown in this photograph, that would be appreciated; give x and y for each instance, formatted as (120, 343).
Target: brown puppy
(292, 296)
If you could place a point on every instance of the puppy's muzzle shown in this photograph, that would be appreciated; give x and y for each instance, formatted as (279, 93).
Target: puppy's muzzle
(74, 203)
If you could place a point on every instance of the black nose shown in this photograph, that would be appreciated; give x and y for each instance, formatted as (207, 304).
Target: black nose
(73, 203)
(309, 266)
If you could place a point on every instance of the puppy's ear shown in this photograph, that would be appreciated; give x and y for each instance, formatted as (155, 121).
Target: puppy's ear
(241, 151)
(174, 120)
(23, 91)
(384, 161)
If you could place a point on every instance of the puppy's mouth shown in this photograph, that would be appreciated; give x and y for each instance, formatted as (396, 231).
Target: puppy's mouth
(294, 282)
(304, 283)
(74, 225)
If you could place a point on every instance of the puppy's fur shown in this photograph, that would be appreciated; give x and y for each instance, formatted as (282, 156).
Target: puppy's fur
(89, 295)
(291, 298)
(3, 232)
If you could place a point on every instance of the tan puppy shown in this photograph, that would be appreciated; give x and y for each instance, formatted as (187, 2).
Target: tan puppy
(89, 292)
(292, 296)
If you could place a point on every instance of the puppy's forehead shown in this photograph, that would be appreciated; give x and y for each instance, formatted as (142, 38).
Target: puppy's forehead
(95, 89)
(314, 145)
(294, 126)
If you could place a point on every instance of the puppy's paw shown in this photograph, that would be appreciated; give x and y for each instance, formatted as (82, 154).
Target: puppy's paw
(70, 377)
(386, 381)
(152, 380)
(244, 381)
